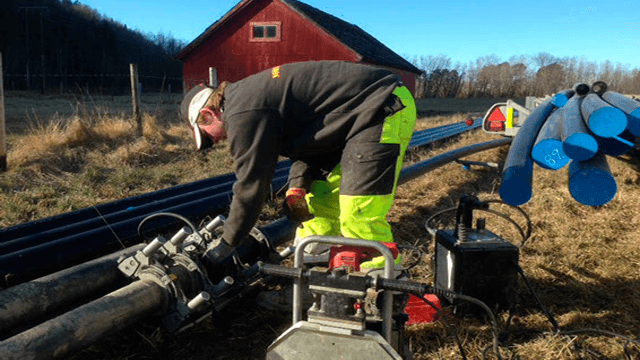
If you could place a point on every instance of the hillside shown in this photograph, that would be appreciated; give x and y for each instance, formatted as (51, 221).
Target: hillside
(67, 46)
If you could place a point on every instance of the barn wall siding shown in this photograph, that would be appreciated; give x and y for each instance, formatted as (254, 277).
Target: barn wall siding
(235, 57)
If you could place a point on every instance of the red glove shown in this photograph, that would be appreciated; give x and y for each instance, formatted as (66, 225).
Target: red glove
(296, 205)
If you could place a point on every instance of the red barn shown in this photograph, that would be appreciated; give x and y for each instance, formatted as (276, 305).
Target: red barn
(259, 34)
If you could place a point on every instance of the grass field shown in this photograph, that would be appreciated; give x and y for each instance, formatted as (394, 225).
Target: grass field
(582, 262)
(28, 109)
(25, 110)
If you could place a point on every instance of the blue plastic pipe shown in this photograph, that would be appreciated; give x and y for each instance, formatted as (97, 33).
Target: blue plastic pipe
(617, 145)
(603, 119)
(561, 98)
(547, 150)
(629, 106)
(515, 188)
(577, 141)
(591, 182)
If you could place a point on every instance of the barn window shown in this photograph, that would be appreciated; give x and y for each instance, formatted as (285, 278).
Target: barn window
(264, 31)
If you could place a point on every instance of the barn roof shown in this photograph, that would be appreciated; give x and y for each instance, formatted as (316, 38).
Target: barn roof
(369, 48)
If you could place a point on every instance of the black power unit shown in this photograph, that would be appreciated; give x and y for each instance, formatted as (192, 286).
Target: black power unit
(477, 263)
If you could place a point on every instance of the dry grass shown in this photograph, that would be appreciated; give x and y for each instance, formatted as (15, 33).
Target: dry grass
(66, 164)
(27, 109)
(582, 262)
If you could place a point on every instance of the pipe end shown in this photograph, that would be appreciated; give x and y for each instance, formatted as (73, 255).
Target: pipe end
(515, 188)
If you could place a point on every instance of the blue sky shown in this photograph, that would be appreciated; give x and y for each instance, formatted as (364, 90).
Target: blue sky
(462, 30)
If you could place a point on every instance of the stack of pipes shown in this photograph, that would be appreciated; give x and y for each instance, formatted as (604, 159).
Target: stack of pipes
(40, 247)
(578, 127)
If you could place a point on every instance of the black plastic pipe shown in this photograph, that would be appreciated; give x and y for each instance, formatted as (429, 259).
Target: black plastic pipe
(29, 262)
(64, 252)
(443, 132)
(117, 216)
(31, 301)
(53, 222)
(36, 227)
(411, 172)
(79, 328)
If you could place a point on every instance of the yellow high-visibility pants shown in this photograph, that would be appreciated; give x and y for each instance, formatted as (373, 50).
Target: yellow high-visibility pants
(358, 193)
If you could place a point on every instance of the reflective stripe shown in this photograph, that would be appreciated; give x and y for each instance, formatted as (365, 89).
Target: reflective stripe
(398, 128)
(361, 216)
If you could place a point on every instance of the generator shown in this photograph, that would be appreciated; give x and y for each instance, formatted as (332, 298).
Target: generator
(475, 262)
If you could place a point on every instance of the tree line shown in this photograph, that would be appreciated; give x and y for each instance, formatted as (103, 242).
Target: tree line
(67, 45)
(525, 75)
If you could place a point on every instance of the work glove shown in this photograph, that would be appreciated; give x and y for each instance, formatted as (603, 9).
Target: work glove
(295, 205)
(219, 250)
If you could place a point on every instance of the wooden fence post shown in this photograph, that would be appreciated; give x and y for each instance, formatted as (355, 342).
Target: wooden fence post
(135, 95)
(213, 77)
(3, 146)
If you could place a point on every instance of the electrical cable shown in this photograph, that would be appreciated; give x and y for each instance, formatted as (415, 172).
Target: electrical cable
(180, 217)
(558, 330)
(524, 235)
(418, 256)
(495, 329)
(432, 231)
(447, 325)
(524, 214)
(552, 320)
(109, 226)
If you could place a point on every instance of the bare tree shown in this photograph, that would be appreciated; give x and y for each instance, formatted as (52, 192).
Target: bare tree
(549, 79)
(544, 59)
(523, 75)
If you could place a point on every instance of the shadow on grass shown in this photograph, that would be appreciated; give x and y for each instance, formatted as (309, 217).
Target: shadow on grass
(582, 298)
(484, 180)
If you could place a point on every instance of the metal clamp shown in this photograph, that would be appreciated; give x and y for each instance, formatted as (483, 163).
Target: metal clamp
(335, 240)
